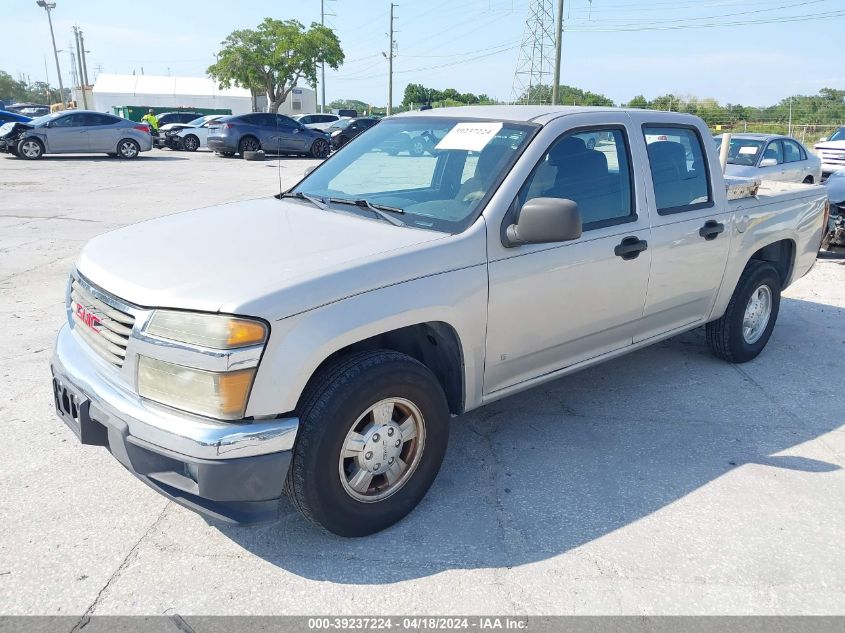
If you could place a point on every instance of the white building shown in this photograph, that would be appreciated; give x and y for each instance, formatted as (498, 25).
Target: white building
(190, 92)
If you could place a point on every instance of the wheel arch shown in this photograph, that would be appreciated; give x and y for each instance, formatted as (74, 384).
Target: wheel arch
(435, 344)
(781, 254)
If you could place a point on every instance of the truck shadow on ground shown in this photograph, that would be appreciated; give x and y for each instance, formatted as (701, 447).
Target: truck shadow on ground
(540, 473)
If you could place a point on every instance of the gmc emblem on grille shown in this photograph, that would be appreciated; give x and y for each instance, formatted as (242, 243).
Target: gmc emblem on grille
(88, 318)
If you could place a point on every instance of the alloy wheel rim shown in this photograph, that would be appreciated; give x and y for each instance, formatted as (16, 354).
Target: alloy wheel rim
(128, 149)
(191, 143)
(30, 149)
(382, 450)
(758, 311)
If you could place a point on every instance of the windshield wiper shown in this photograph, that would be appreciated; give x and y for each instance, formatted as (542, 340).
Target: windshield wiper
(378, 209)
(304, 196)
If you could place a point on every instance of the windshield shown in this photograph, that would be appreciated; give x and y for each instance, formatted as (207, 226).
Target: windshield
(839, 135)
(47, 117)
(742, 151)
(198, 122)
(438, 171)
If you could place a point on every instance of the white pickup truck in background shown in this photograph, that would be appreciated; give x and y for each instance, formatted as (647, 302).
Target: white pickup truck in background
(317, 344)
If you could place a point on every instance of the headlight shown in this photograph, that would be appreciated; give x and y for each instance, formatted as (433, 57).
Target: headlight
(216, 331)
(221, 395)
(336, 132)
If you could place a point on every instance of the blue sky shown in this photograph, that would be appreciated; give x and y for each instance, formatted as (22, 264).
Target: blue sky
(610, 46)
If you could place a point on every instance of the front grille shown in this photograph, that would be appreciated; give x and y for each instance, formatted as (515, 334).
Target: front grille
(832, 155)
(102, 326)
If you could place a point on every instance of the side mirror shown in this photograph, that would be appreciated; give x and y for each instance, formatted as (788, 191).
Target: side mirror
(769, 162)
(545, 220)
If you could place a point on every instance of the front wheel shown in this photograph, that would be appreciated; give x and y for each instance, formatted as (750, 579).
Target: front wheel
(743, 331)
(127, 148)
(320, 148)
(30, 149)
(373, 431)
(190, 143)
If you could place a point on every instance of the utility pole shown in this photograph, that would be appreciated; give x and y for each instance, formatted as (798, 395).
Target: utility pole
(790, 116)
(558, 51)
(84, 59)
(79, 63)
(49, 6)
(390, 66)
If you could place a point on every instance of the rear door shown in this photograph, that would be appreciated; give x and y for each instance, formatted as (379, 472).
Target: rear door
(103, 131)
(795, 162)
(67, 134)
(689, 231)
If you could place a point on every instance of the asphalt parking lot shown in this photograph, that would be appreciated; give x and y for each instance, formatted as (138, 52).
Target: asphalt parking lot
(665, 482)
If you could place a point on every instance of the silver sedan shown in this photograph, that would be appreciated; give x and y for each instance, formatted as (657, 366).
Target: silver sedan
(771, 157)
(82, 132)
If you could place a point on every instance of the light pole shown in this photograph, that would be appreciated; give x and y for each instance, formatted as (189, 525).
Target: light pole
(48, 6)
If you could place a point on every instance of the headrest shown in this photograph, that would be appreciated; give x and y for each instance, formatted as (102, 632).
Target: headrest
(568, 147)
(663, 153)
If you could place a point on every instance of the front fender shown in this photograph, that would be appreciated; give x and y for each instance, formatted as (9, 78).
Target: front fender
(300, 343)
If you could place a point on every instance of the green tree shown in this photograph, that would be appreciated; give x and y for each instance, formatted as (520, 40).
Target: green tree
(638, 102)
(416, 94)
(274, 57)
(349, 104)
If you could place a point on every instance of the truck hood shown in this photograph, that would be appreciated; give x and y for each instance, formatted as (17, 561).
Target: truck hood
(830, 145)
(268, 257)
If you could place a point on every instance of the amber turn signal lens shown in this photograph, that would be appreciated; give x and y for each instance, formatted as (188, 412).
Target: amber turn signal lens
(243, 333)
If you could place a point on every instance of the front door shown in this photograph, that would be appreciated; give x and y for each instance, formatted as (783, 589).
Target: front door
(690, 234)
(554, 305)
(292, 135)
(67, 134)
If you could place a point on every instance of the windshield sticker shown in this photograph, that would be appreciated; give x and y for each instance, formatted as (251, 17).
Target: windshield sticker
(748, 149)
(472, 137)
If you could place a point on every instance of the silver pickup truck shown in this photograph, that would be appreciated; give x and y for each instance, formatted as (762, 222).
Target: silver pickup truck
(316, 344)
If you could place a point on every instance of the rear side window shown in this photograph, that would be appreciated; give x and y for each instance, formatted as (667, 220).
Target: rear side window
(792, 152)
(591, 168)
(678, 169)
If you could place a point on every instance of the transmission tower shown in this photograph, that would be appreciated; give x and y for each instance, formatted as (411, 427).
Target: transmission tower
(534, 67)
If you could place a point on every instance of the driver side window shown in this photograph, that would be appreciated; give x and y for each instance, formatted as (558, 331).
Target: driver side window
(71, 120)
(591, 168)
(773, 151)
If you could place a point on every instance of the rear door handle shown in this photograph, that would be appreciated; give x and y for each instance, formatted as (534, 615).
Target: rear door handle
(711, 230)
(630, 248)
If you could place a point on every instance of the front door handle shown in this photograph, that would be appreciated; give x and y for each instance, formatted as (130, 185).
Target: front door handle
(711, 230)
(630, 248)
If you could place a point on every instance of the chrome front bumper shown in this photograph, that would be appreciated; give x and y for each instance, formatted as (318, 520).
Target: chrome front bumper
(234, 471)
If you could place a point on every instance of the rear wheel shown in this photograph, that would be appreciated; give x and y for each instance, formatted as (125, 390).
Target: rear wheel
(127, 148)
(808, 180)
(373, 431)
(743, 331)
(248, 144)
(190, 143)
(30, 149)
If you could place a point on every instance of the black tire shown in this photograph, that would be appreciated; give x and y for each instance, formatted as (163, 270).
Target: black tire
(808, 180)
(725, 336)
(330, 406)
(248, 144)
(128, 149)
(341, 141)
(248, 155)
(320, 148)
(30, 149)
(190, 143)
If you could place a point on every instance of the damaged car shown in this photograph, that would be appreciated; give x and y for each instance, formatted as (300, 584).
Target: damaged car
(75, 132)
(834, 239)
